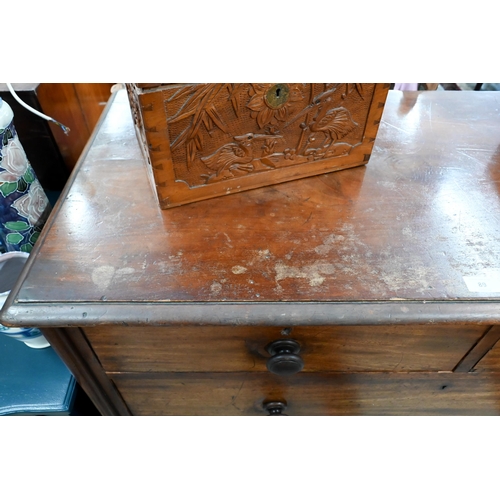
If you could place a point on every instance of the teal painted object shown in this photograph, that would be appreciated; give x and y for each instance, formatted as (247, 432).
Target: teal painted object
(11, 265)
(33, 381)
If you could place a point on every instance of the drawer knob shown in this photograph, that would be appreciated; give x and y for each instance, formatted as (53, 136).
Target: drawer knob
(285, 359)
(275, 408)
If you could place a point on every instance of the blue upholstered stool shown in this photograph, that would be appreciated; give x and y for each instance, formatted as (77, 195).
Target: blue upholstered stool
(33, 381)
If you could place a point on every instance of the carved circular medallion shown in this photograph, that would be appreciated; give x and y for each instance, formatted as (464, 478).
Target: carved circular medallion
(277, 95)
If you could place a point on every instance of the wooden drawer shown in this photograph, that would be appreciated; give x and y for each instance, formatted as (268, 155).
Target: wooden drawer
(310, 393)
(323, 349)
(490, 362)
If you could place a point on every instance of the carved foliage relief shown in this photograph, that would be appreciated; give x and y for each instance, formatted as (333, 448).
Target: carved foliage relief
(222, 131)
(138, 122)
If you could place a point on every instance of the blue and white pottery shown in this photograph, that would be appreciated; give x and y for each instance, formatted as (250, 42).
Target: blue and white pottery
(24, 206)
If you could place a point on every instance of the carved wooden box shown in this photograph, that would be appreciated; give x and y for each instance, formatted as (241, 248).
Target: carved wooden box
(214, 139)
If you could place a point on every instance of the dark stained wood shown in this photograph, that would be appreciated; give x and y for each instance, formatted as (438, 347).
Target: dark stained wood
(491, 360)
(60, 101)
(149, 85)
(311, 394)
(73, 348)
(92, 97)
(323, 349)
(366, 265)
(486, 342)
(215, 139)
(238, 313)
(76, 105)
(397, 229)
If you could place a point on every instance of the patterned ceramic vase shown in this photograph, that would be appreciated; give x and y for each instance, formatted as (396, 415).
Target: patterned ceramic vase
(24, 206)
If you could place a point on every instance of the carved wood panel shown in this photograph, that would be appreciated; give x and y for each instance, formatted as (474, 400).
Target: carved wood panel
(206, 140)
(222, 131)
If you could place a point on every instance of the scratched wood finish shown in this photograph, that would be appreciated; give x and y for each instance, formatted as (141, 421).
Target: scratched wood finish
(410, 225)
(215, 139)
(376, 248)
(311, 394)
(232, 349)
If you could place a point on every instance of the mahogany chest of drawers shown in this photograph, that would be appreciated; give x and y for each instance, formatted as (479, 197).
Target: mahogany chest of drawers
(369, 291)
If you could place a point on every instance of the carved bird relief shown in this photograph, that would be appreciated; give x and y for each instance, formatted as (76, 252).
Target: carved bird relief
(235, 155)
(334, 123)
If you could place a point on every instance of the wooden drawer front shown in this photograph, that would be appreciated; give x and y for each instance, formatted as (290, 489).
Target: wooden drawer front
(323, 349)
(310, 394)
(491, 361)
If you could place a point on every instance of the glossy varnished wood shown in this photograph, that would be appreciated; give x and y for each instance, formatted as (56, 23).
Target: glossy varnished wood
(78, 106)
(409, 226)
(400, 348)
(366, 265)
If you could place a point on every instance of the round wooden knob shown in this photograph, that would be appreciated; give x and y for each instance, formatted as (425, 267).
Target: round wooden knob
(284, 358)
(275, 408)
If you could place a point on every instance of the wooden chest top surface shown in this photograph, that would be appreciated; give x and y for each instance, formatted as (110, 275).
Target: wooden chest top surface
(410, 226)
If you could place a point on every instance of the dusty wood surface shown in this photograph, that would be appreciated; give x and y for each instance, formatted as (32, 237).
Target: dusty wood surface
(412, 224)
(363, 252)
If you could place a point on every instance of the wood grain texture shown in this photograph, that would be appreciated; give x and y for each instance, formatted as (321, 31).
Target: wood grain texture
(76, 105)
(491, 360)
(311, 394)
(323, 349)
(408, 226)
(366, 264)
(208, 140)
(485, 343)
(92, 97)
